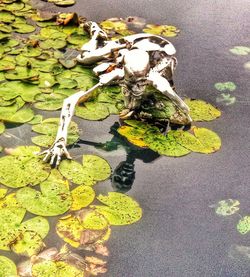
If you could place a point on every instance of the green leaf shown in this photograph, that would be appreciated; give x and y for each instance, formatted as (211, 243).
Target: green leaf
(53, 43)
(49, 102)
(165, 145)
(7, 63)
(120, 209)
(7, 267)
(77, 39)
(37, 119)
(38, 224)
(201, 110)
(229, 86)
(63, 2)
(240, 50)
(82, 196)
(2, 127)
(44, 268)
(226, 99)
(6, 17)
(22, 73)
(98, 168)
(28, 244)
(162, 30)
(243, 225)
(21, 116)
(76, 173)
(53, 33)
(48, 128)
(23, 28)
(227, 207)
(19, 171)
(92, 111)
(54, 198)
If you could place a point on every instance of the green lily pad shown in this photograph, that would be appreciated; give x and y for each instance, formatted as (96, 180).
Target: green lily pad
(28, 244)
(63, 2)
(19, 171)
(52, 33)
(229, 86)
(2, 127)
(3, 36)
(161, 30)
(21, 116)
(201, 110)
(75, 172)
(97, 167)
(44, 269)
(5, 28)
(7, 267)
(49, 130)
(119, 208)
(53, 43)
(66, 82)
(243, 225)
(77, 39)
(92, 111)
(22, 73)
(82, 196)
(49, 102)
(38, 224)
(46, 80)
(6, 17)
(54, 198)
(23, 28)
(31, 51)
(93, 169)
(165, 145)
(37, 119)
(27, 91)
(240, 50)
(7, 63)
(15, 6)
(227, 207)
(3, 192)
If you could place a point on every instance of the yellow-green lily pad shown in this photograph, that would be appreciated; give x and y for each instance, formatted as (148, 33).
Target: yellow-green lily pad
(54, 198)
(2, 127)
(19, 171)
(243, 225)
(161, 30)
(92, 111)
(82, 196)
(119, 208)
(201, 110)
(227, 207)
(7, 267)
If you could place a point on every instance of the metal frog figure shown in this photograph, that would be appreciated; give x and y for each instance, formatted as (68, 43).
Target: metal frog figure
(133, 62)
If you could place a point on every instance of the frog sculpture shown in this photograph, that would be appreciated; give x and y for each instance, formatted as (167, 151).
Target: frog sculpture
(134, 62)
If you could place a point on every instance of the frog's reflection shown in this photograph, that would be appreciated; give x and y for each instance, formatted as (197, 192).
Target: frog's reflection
(123, 175)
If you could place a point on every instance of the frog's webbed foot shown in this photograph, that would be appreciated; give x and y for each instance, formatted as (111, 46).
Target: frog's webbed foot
(126, 114)
(55, 153)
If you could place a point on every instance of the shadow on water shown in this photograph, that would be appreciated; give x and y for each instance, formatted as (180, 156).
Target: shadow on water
(123, 176)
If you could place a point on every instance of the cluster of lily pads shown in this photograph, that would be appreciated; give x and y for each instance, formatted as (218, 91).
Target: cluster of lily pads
(83, 225)
(229, 207)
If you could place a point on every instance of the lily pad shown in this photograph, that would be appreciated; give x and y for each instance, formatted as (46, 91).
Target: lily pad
(240, 50)
(243, 225)
(226, 86)
(92, 111)
(37, 119)
(119, 208)
(83, 229)
(7, 267)
(49, 102)
(227, 207)
(63, 2)
(165, 145)
(54, 198)
(2, 127)
(161, 30)
(6, 17)
(82, 196)
(23, 28)
(7, 63)
(53, 43)
(49, 130)
(21, 116)
(19, 171)
(93, 169)
(201, 110)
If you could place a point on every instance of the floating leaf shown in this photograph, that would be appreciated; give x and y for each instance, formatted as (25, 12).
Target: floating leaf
(82, 196)
(49, 102)
(48, 128)
(240, 50)
(19, 171)
(201, 110)
(23, 28)
(7, 62)
(37, 119)
(53, 43)
(54, 198)
(28, 244)
(52, 33)
(2, 127)
(136, 138)
(165, 145)
(227, 207)
(84, 230)
(7, 267)
(162, 30)
(63, 2)
(21, 116)
(77, 39)
(243, 225)
(92, 111)
(120, 209)
(6, 17)
(230, 86)
(93, 169)
(3, 192)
